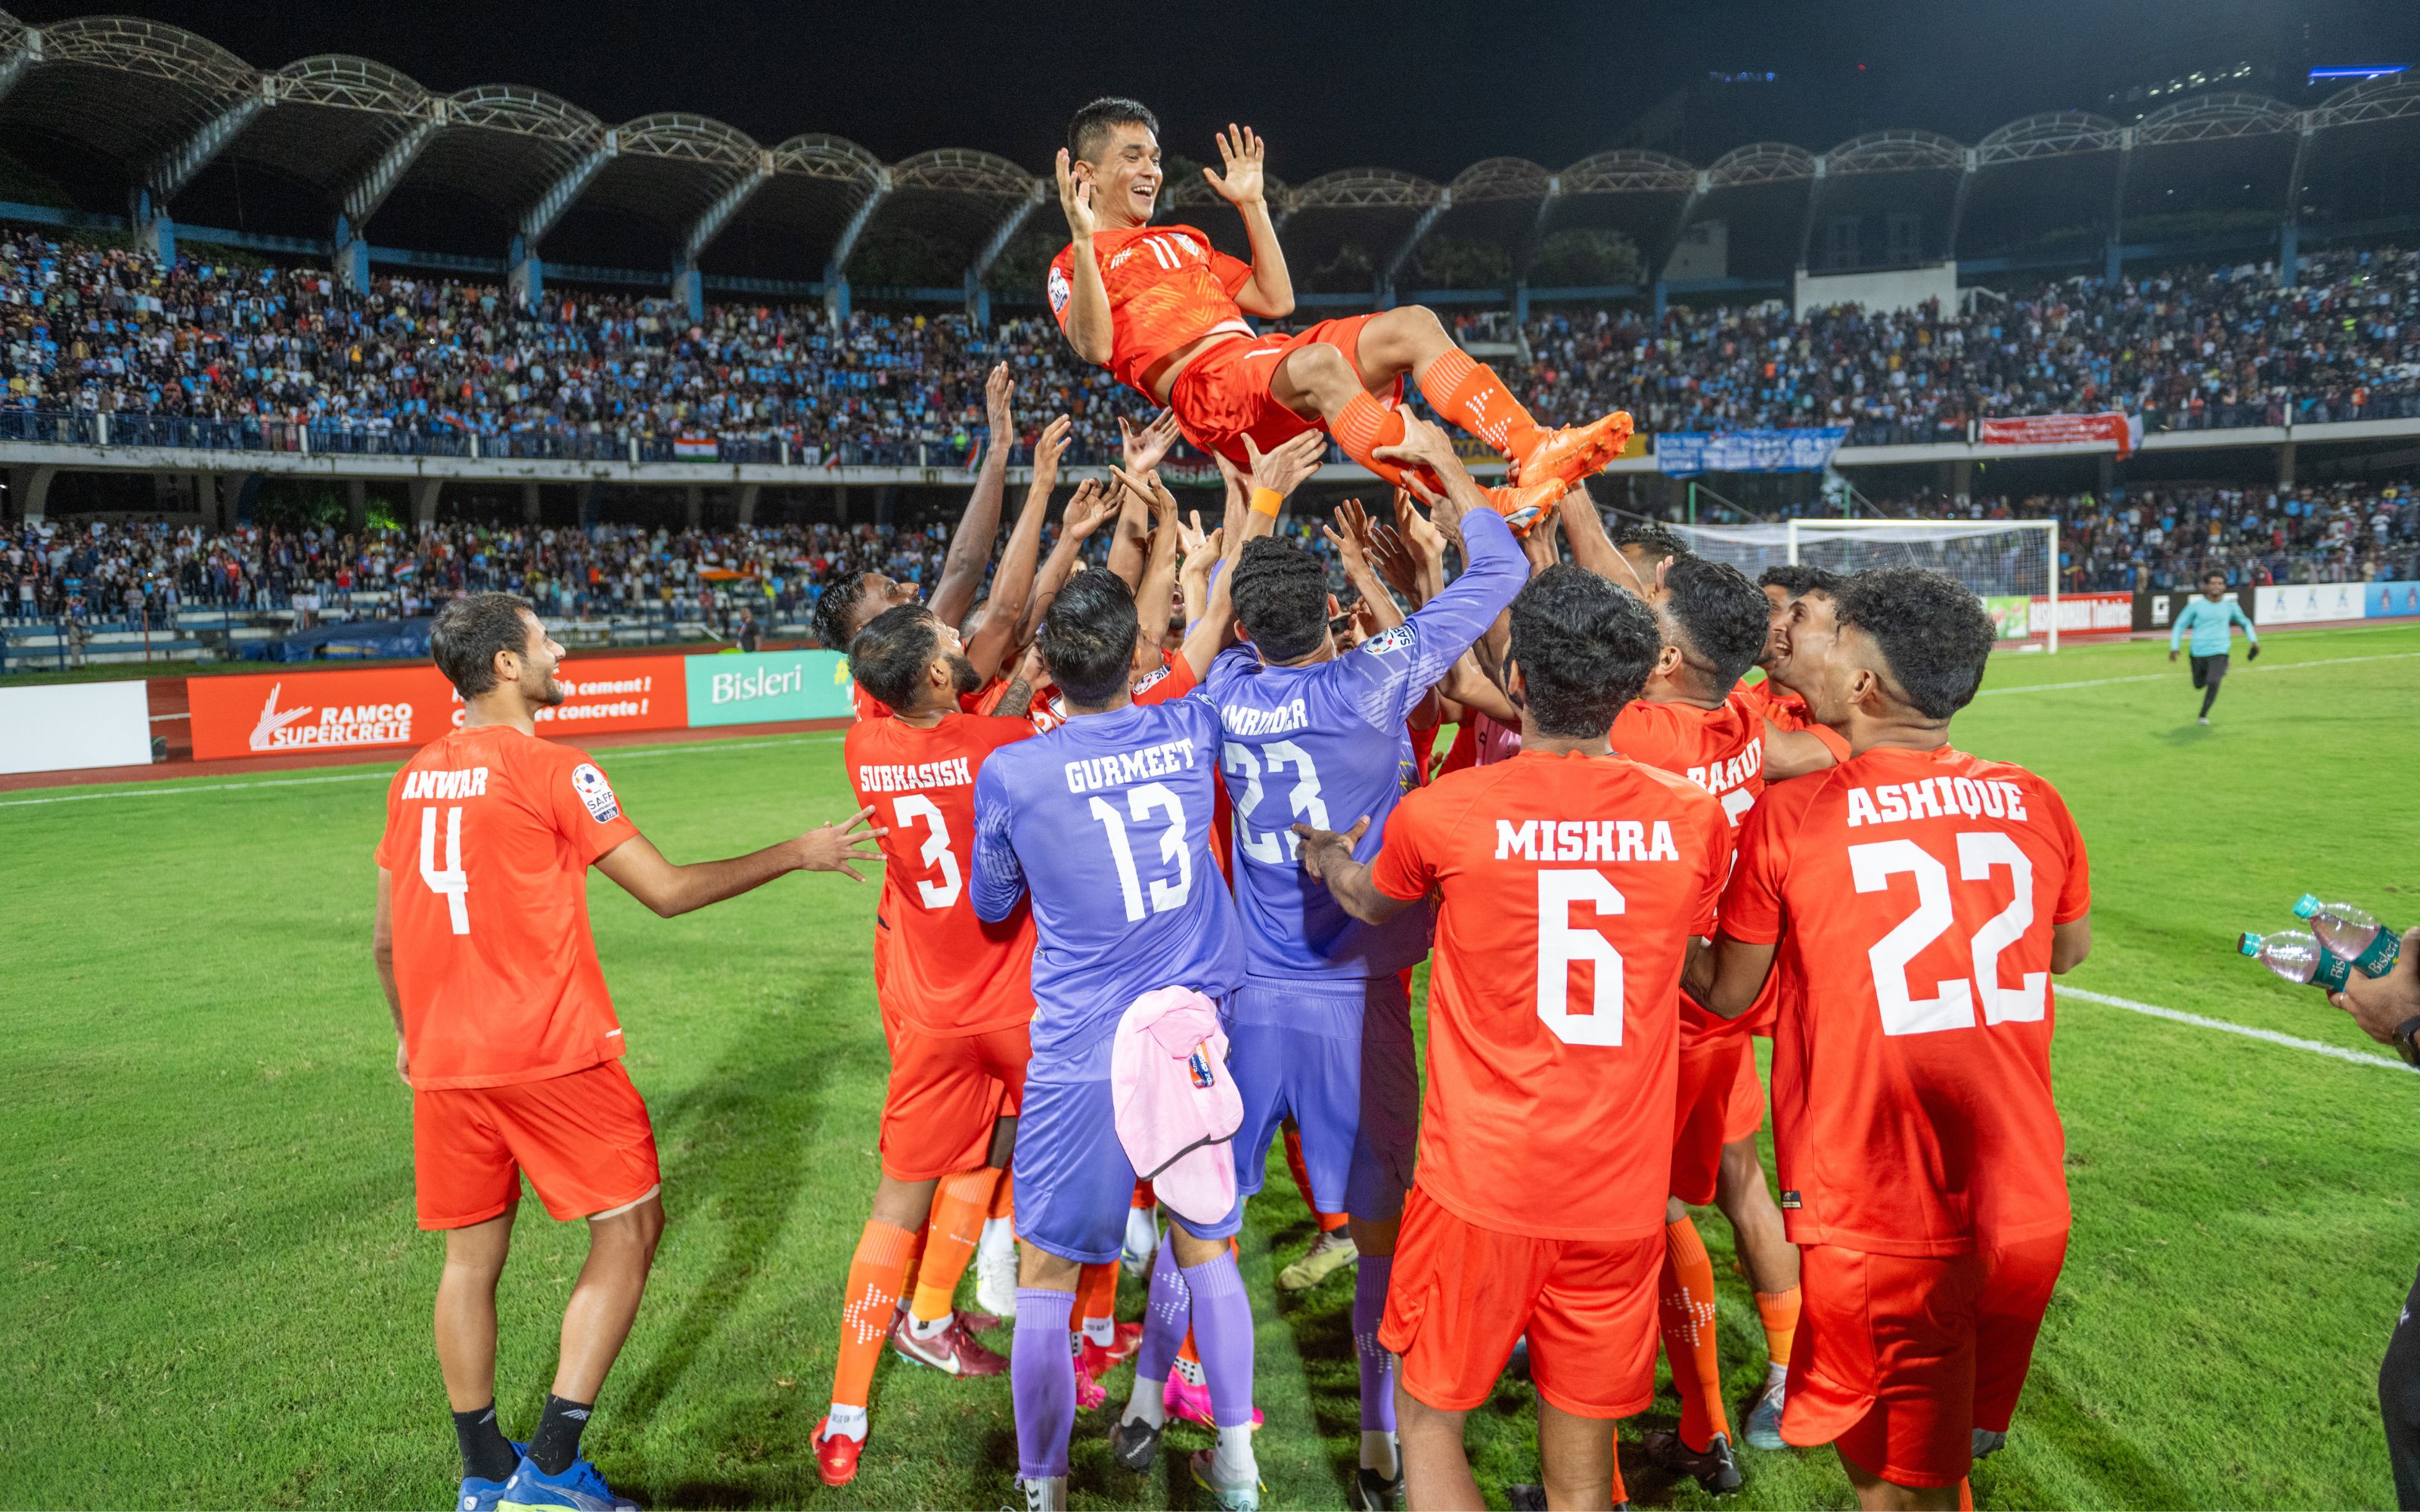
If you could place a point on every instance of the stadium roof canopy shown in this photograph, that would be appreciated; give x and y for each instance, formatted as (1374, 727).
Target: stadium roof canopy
(163, 109)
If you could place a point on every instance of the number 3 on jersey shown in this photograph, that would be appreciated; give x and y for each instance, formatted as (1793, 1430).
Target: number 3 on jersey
(1279, 846)
(915, 808)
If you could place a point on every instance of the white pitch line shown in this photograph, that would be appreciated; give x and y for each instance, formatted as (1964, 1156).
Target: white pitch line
(382, 775)
(2358, 1057)
(2161, 677)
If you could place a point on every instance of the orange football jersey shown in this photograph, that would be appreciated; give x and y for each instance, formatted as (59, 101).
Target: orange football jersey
(1167, 287)
(489, 837)
(1722, 750)
(1567, 888)
(1912, 894)
(945, 972)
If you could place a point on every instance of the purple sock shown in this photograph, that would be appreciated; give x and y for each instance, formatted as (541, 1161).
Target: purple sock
(1370, 1276)
(1222, 1333)
(1042, 1381)
(1167, 1313)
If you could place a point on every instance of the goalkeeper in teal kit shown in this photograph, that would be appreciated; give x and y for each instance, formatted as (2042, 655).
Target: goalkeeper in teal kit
(2211, 620)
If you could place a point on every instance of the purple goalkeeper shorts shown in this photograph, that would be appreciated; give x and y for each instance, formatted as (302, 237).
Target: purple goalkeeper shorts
(1074, 1183)
(1336, 1054)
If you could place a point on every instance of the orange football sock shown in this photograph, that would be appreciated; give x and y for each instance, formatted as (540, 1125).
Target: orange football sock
(1362, 426)
(1780, 1310)
(1096, 1295)
(875, 1274)
(1684, 1296)
(915, 1262)
(1472, 396)
(1003, 1196)
(960, 1203)
(1328, 1221)
(1621, 1492)
(1966, 1495)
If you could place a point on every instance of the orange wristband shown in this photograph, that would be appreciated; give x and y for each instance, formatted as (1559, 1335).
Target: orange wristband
(1265, 501)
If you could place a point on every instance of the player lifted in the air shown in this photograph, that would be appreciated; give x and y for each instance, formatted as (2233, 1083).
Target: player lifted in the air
(1164, 313)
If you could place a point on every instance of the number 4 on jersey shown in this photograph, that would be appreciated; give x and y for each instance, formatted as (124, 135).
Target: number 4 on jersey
(452, 883)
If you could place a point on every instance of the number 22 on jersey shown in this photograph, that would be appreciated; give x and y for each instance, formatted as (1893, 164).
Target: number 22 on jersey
(1981, 852)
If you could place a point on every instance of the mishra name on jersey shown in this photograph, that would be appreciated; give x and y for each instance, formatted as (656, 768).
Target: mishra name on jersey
(1936, 797)
(1585, 840)
(952, 773)
(1165, 759)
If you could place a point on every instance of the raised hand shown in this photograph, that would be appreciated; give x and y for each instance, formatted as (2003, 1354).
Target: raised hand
(1284, 468)
(833, 847)
(1394, 561)
(1076, 199)
(1145, 448)
(1148, 488)
(1048, 448)
(1245, 156)
(1425, 541)
(1091, 506)
(1423, 446)
(997, 388)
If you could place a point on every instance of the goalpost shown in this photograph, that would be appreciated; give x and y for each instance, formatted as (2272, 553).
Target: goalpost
(2010, 564)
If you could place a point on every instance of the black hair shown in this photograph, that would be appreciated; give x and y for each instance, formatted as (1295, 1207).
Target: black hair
(1650, 537)
(833, 608)
(889, 656)
(1932, 632)
(1797, 579)
(1584, 647)
(1280, 592)
(1085, 133)
(1088, 636)
(1724, 615)
(471, 630)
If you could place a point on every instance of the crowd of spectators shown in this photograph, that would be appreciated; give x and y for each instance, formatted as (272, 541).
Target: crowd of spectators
(2152, 538)
(89, 569)
(110, 330)
(2186, 349)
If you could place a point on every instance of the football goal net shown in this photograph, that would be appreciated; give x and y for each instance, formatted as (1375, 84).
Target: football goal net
(2010, 564)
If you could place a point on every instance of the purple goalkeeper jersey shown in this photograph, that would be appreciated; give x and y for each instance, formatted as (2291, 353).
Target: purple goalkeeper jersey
(1325, 744)
(1106, 822)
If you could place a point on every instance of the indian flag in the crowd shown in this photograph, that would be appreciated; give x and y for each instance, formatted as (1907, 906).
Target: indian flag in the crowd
(692, 445)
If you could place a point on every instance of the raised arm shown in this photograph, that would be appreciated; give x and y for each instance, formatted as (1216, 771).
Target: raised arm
(1087, 316)
(1280, 471)
(1351, 537)
(1156, 599)
(962, 569)
(639, 870)
(1592, 547)
(1012, 585)
(1270, 294)
(1090, 505)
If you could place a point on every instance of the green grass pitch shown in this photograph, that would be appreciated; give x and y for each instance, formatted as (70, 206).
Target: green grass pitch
(211, 1292)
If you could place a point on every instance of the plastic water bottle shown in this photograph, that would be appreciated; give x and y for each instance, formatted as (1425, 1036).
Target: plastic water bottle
(2352, 934)
(2297, 957)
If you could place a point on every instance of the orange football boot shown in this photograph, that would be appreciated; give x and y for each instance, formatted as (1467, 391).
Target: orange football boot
(1570, 453)
(1526, 505)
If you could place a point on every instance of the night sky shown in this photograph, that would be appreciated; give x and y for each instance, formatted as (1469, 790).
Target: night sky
(1417, 85)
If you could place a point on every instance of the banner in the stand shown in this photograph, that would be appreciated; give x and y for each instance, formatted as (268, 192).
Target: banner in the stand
(2390, 601)
(1681, 453)
(291, 713)
(2112, 425)
(2022, 616)
(2311, 603)
(768, 685)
